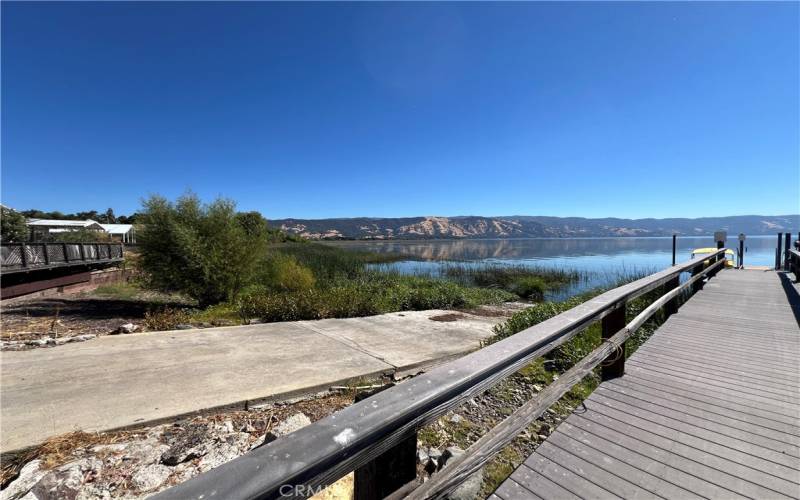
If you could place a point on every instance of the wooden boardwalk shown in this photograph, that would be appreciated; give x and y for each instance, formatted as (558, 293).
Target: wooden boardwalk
(709, 407)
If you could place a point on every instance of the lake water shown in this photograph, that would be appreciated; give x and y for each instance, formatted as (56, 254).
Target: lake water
(599, 259)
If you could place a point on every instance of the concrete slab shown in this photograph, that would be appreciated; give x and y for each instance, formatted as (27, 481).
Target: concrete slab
(119, 381)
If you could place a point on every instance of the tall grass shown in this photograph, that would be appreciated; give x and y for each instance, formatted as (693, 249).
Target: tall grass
(527, 282)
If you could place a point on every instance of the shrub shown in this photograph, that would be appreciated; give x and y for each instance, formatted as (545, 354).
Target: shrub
(201, 250)
(165, 319)
(283, 273)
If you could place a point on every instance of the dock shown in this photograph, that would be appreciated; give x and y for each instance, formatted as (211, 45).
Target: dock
(708, 407)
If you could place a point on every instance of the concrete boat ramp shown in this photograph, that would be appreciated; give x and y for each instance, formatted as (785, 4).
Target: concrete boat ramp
(127, 380)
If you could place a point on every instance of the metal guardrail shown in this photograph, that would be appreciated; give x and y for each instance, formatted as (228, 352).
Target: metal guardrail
(377, 437)
(21, 257)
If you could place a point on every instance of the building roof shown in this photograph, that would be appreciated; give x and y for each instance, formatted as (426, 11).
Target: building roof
(117, 228)
(88, 223)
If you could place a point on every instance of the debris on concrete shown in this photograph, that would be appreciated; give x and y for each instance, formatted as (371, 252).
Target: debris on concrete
(127, 328)
(291, 424)
(19, 345)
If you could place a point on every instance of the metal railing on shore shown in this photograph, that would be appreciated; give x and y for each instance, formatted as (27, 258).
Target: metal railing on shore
(21, 257)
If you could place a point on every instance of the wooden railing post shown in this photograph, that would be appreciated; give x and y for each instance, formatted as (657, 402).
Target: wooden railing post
(672, 306)
(46, 254)
(674, 247)
(614, 365)
(388, 472)
(82, 251)
(23, 255)
(66, 253)
(786, 248)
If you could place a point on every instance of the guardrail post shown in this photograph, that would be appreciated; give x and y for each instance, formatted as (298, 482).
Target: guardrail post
(82, 251)
(612, 323)
(388, 472)
(46, 254)
(66, 253)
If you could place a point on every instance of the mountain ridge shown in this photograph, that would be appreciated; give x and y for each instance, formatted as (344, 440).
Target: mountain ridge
(529, 226)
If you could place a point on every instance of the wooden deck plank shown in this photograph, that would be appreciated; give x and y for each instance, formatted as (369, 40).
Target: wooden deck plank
(513, 490)
(744, 365)
(708, 407)
(730, 372)
(652, 460)
(716, 472)
(610, 482)
(719, 380)
(563, 477)
(735, 372)
(729, 418)
(545, 488)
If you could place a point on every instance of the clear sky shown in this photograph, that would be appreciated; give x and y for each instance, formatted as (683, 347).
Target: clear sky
(333, 109)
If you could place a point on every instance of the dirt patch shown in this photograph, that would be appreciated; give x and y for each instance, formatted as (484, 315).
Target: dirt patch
(85, 314)
(448, 317)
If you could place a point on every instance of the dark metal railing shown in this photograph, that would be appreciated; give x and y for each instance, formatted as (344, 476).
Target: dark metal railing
(377, 437)
(18, 257)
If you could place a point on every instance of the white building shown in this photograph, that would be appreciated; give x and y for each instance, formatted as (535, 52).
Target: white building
(40, 227)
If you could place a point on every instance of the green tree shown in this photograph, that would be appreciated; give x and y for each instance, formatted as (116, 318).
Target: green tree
(12, 226)
(106, 218)
(253, 223)
(199, 249)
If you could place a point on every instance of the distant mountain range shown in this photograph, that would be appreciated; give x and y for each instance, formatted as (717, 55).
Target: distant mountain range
(519, 226)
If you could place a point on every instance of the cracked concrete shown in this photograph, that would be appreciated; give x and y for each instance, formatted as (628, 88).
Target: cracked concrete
(127, 380)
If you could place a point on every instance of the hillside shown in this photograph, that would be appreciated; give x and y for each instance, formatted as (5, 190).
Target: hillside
(529, 227)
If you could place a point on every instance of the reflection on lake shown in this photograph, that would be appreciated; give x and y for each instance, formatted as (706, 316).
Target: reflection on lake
(601, 259)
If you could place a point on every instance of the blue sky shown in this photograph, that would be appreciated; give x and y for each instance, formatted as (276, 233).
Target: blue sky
(333, 110)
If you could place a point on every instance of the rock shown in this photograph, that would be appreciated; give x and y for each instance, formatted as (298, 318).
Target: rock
(223, 322)
(183, 326)
(453, 451)
(291, 424)
(82, 338)
(39, 342)
(226, 427)
(456, 418)
(145, 452)
(434, 457)
(224, 450)
(150, 477)
(469, 489)
(541, 437)
(66, 481)
(537, 388)
(422, 456)
(185, 443)
(29, 475)
(545, 428)
(127, 328)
